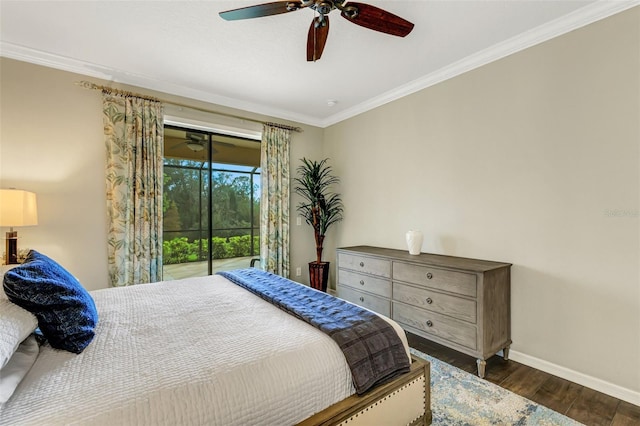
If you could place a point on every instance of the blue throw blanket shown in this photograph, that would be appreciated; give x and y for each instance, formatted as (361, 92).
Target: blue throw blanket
(370, 345)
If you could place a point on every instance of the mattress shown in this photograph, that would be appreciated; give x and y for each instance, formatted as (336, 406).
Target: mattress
(194, 351)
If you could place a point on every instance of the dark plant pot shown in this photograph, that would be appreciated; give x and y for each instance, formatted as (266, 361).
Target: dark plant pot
(319, 275)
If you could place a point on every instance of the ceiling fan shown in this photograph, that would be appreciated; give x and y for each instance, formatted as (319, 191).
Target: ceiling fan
(361, 14)
(194, 141)
(197, 142)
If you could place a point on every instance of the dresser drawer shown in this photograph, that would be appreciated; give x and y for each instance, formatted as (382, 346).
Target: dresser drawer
(457, 307)
(440, 279)
(366, 300)
(379, 286)
(367, 265)
(447, 328)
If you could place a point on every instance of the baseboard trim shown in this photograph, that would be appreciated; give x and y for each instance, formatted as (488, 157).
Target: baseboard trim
(631, 396)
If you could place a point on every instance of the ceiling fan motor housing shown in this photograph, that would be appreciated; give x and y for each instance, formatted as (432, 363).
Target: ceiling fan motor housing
(323, 7)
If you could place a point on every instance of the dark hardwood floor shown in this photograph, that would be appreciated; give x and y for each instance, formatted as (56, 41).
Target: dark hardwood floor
(578, 402)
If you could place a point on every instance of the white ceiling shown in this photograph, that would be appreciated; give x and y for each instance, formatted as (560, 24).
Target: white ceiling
(259, 65)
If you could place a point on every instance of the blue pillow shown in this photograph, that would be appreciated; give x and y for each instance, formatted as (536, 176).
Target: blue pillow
(66, 313)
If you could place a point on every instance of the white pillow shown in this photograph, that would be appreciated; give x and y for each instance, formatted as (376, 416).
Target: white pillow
(16, 324)
(18, 366)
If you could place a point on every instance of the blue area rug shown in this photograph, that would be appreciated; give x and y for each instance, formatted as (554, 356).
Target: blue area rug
(459, 398)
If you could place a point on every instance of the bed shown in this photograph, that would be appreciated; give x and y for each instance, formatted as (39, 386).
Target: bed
(206, 351)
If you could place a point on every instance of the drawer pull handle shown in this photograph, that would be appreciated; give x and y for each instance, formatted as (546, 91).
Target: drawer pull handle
(429, 323)
(361, 282)
(361, 263)
(361, 299)
(429, 301)
(429, 275)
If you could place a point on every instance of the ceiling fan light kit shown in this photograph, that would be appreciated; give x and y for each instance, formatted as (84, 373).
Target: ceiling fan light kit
(194, 141)
(195, 146)
(362, 14)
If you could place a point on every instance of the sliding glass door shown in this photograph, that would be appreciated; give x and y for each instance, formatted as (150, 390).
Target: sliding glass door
(211, 202)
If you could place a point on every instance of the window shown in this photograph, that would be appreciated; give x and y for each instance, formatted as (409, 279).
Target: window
(211, 202)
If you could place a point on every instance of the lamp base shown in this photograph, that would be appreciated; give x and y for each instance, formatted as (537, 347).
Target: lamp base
(12, 248)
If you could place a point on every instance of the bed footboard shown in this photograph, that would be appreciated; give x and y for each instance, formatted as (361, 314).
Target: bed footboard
(403, 401)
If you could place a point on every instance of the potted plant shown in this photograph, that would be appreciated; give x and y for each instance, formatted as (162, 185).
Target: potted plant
(320, 208)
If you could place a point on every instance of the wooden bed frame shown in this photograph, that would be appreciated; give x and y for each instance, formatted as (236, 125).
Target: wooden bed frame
(403, 401)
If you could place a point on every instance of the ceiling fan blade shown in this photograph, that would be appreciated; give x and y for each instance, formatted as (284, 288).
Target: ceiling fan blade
(227, 144)
(317, 38)
(260, 10)
(376, 19)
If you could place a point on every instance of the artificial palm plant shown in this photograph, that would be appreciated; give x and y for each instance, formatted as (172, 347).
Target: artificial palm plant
(320, 208)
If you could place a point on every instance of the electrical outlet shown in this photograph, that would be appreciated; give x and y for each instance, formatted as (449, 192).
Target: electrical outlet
(298, 221)
(298, 271)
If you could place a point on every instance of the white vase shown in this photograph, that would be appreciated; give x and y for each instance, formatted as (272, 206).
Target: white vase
(414, 241)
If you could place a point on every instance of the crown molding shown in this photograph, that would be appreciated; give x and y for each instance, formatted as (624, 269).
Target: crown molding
(591, 13)
(584, 16)
(38, 57)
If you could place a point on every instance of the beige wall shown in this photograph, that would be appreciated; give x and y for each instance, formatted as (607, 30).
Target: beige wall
(51, 143)
(524, 161)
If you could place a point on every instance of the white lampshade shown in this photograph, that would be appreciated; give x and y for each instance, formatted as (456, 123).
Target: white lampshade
(18, 208)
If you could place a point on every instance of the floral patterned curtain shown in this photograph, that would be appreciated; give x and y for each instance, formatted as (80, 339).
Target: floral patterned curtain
(274, 201)
(134, 138)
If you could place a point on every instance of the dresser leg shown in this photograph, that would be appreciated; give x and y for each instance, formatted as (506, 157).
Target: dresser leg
(505, 353)
(481, 367)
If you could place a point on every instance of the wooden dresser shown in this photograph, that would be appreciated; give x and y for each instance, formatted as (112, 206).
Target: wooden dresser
(461, 303)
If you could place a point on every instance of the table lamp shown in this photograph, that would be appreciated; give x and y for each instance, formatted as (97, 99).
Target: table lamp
(17, 208)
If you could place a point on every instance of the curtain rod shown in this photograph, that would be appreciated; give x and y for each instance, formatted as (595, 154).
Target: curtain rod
(105, 89)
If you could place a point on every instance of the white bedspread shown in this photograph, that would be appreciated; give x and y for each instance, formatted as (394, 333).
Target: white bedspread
(213, 354)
